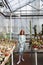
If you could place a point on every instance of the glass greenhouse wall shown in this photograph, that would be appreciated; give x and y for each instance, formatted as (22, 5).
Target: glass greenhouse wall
(25, 12)
(19, 23)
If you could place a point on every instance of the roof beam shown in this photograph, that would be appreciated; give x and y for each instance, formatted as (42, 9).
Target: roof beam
(23, 5)
(2, 14)
(30, 15)
(7, 5)
(8, 15)
(4, 3)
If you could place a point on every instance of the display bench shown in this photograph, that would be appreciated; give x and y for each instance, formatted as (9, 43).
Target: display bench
(36, 47)
(7, 57)
(36, 51)
(6, 51)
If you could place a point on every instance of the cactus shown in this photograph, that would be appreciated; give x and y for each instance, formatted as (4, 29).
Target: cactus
(30, 30)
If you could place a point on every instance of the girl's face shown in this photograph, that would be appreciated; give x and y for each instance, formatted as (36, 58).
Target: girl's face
(22, 32)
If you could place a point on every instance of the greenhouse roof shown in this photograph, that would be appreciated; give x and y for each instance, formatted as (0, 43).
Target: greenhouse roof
(22, 6)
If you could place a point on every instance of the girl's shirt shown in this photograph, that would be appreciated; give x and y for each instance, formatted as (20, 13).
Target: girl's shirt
(22, 40)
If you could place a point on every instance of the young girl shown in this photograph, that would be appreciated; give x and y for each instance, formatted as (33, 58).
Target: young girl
(22, 40)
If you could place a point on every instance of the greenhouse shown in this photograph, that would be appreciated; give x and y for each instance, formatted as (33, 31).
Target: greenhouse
(21, 32)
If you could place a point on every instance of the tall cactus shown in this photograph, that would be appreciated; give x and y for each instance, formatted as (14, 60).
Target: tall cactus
(30, 30)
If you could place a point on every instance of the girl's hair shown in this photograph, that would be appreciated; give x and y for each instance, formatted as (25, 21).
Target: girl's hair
(22, 32)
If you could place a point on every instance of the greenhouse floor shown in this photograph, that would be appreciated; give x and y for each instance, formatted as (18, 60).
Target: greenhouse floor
(29, 60)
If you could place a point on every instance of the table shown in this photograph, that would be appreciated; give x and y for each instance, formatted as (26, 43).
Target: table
(35, 50)
(7, 57)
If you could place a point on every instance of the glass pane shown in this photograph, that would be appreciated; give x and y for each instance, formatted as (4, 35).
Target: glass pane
(41, 5)
(24, 8)
(15, 7)
(9, 1)
(14, 2)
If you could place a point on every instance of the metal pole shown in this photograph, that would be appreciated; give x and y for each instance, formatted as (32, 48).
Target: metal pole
(12, 58)
(11, 26)
(36, 58)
